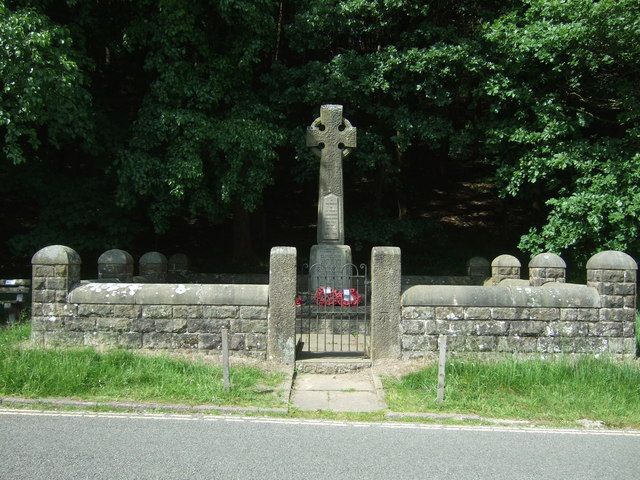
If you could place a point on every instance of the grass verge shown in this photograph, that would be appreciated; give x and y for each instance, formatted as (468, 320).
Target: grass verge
(558, 392)
(123, 375)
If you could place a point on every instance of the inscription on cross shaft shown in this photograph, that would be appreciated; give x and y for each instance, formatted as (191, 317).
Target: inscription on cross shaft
(331, 137)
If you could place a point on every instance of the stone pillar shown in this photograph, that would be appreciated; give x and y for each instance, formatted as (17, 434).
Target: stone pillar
(504, 266)
(479, 269)
(178, 267)
(281, 340)
(547, 268)
(385, 302)
(613, 274)
(55, 272)
(153, 267)
(115, 265)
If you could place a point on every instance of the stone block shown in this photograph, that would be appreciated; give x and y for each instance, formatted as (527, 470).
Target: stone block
(414, 343)
(579, 314)
(449, 313)
(171, 325)
(127, 311)
(248, 326)
(237, 341)
(159, 340)
(418, 313)
(591, 345)
(61, 338)
(101, 339)
(43, 271)
(412, 327)
(527, 327)
(255, 341)
(97, 310)
(517, 344)
(477, 313)
(37, 338)
(386, 307)
(629, 329)
(509, 313)
(157, 311)
(56, 283)
(624, 289)
(544, 314)
(460, 327)
(557, 344)
(206, 325)
(491, 327)
(606, 329)
(612, 275)
(481, 343)
(253, 313)
(431, 326)
(567, 329)
(630, 301)
(209, 341)
(38, 283)
(144, 325)
(617, 315)
(217, 312)
(187, 340)
(114, 324)
(612, 301)
(57, 309)
(615, 345)
(630, 346)
(81, 324)
(189, 311)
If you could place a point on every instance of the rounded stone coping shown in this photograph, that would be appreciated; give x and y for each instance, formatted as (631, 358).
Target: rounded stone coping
(56, 255)
(170, 294)
(552, 295)
(547, 260)
(506, 261)
(611, 260)
(116, 256)
(153, 258)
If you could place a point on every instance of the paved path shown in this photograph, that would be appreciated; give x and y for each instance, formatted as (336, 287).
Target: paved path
(52, 446)
(344, 392)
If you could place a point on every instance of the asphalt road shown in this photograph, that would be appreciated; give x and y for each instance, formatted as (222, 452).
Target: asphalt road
(41, 445)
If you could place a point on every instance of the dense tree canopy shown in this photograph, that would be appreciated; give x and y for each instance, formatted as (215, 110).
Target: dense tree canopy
(123, 119)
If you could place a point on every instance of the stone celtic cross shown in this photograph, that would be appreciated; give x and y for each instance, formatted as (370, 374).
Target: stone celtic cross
(331, 137)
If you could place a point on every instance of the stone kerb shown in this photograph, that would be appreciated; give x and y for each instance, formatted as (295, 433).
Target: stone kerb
(386, 287)
(282, 310)
(546, 268)
(115, 265)
(613, 274)
(153, 267)
(55, 272)
(503, 267)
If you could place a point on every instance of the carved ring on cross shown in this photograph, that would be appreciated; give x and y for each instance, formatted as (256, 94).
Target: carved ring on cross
(315, 132)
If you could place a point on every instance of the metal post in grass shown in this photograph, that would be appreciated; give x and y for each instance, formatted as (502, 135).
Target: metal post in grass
(225, 359)
(442, 362)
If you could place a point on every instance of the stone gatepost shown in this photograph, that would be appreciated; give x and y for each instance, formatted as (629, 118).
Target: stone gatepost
(153, 267)
(385, 302)
(504, 266)
(546, 268)
(281, 336)
(55, 272)
(479, 269)
(613, 274)
(116, 265)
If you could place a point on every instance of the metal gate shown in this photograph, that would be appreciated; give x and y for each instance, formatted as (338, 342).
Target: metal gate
(332, 313)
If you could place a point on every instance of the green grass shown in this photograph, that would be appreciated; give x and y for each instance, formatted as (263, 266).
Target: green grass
(558, 392)
(124, 375)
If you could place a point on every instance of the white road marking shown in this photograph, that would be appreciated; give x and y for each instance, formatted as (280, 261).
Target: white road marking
(323, 423)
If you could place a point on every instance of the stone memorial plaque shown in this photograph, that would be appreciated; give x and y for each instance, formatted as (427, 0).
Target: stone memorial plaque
(330, 218)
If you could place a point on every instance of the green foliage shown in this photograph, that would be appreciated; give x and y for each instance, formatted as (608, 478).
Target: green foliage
(42, 84)
(120, 375)
(560, 391)
(565, 112)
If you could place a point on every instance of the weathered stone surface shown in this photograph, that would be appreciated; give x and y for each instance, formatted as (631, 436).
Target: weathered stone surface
(187, 340)
(209, 341)
(606, 329)
(611, 260)
(385, 302)
(156, 311)
(419, 313)
(190, 311)
(579, 314)
(617, 314)
(418, 343)
(143, 325)
(449, 313)
(567, 329)
(207, 325)
(128, 311)
(282, 309)
(115, 324)
(227, 311)
(159, 340)
(327, 264)
(527, 328)
(517, 344)
(545, 314)
(61, 338)
(477, 313)
(479, 267)
(510, 313)
(250, 313)
(171, 325)
(255, 341)
(81, 324)
(249, 326)
(493, 327)
(115, 264)
(55, 255)
(481, 343)
(237, 341)
(412, 327)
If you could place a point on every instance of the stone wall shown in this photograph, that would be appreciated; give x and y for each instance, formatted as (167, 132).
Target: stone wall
(547, 316)
(68, 312)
